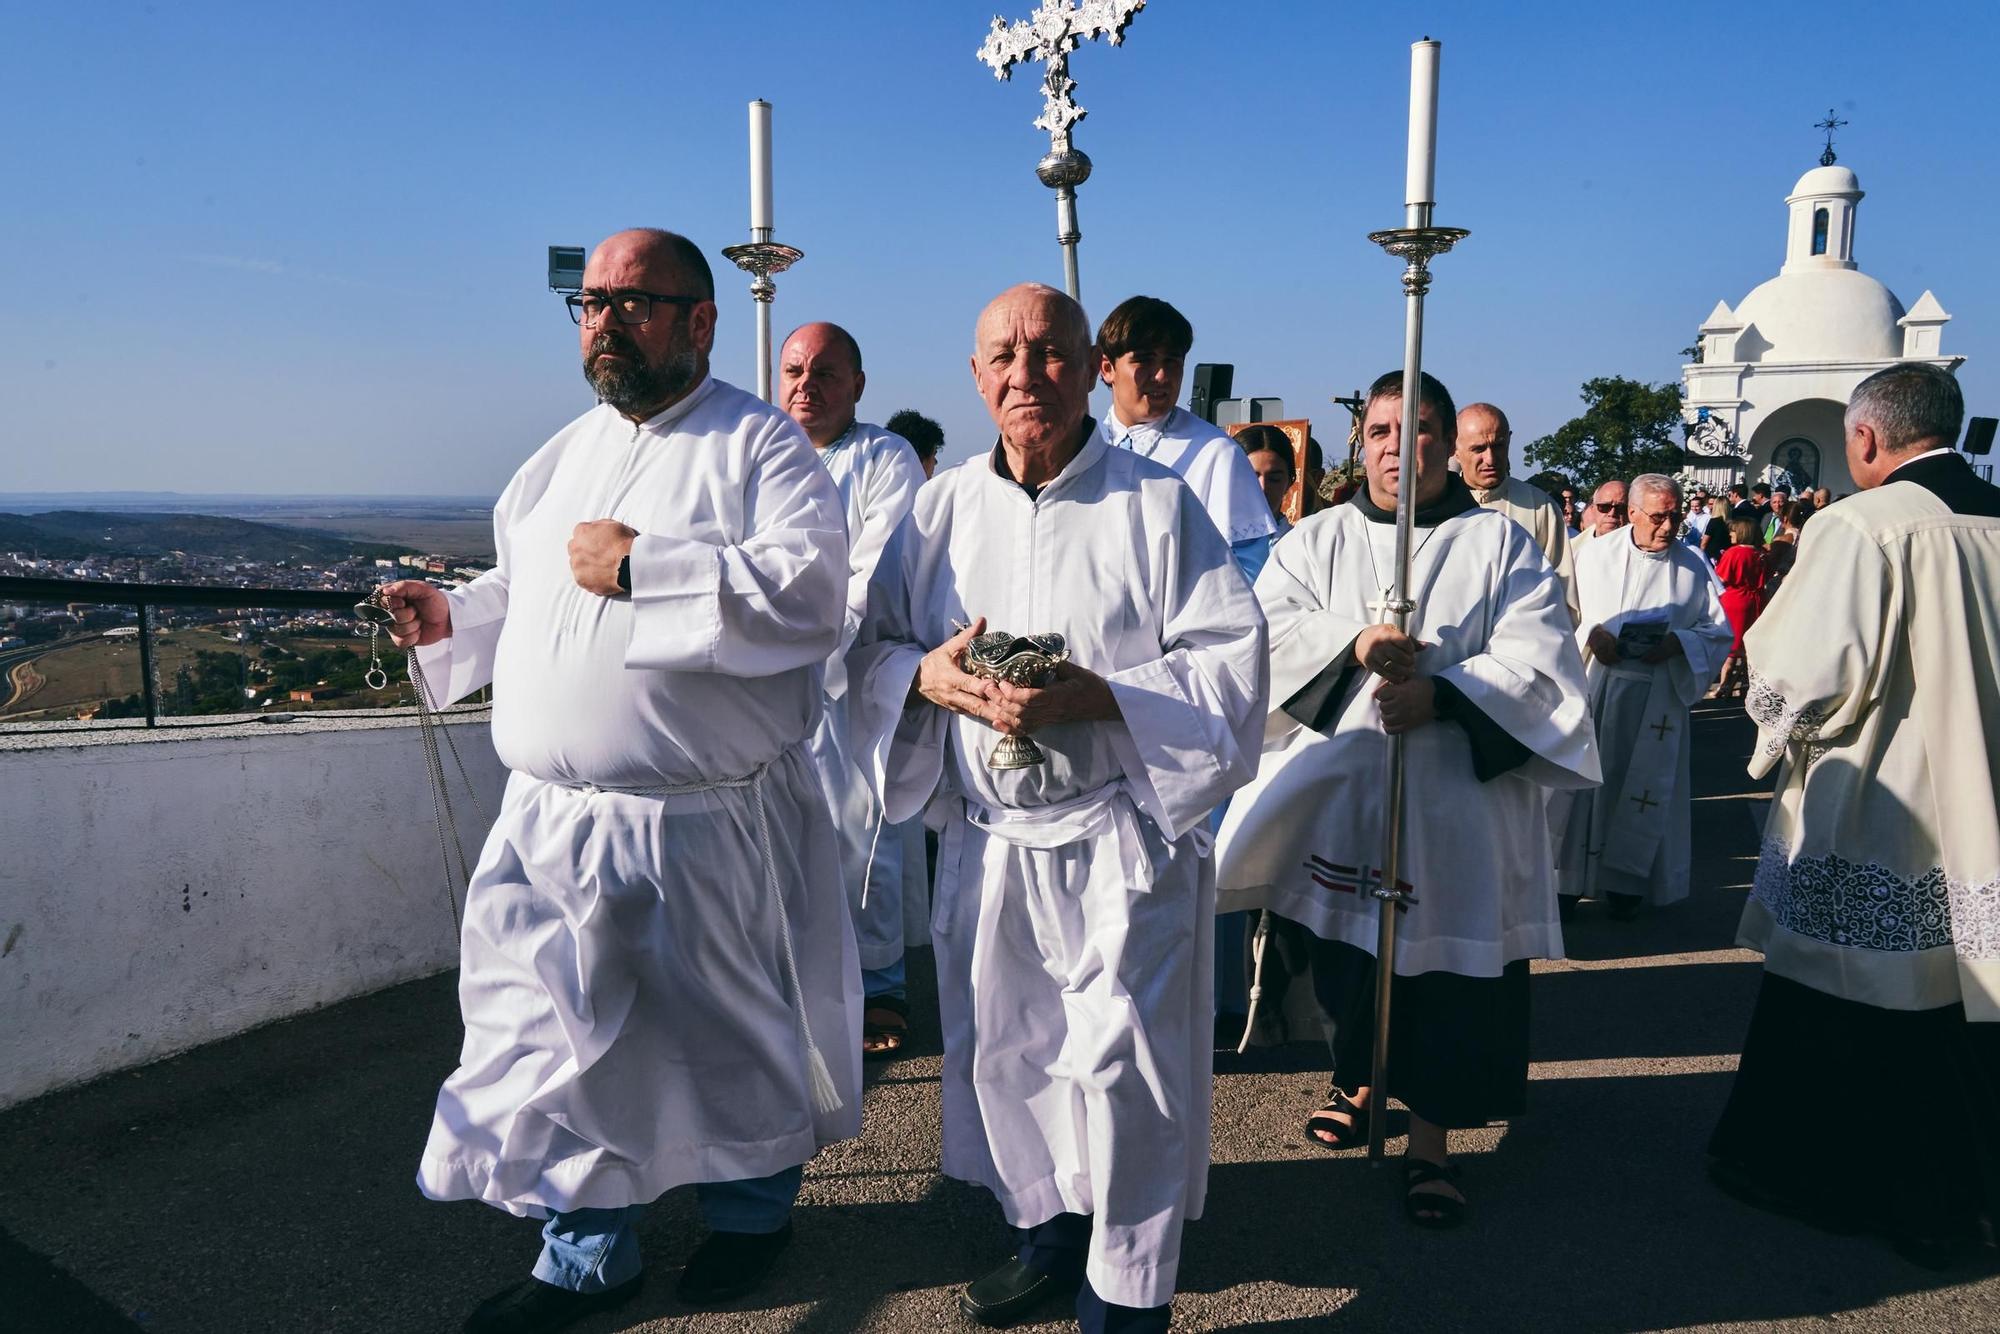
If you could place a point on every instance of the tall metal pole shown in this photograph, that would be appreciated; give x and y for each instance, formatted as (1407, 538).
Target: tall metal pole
(763, 256)
(1417, 242)
(1062, 171)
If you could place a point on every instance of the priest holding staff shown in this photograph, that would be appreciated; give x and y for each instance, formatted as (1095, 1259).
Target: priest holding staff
(1488, 694)
(1653, 636)
(1074, 897)
(658, 978)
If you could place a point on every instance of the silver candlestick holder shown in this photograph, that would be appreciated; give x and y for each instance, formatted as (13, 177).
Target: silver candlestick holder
(761, 258)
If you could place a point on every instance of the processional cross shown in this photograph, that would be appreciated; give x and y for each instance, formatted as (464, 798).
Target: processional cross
(1049, 35)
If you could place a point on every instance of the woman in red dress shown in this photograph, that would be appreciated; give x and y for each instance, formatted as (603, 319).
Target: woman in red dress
(1741, 570)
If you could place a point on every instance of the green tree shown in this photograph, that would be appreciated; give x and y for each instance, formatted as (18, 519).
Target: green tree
(1627, 427)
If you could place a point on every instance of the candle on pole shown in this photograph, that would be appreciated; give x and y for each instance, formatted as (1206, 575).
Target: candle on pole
(763, 256)
(1420, 175)
(1417, 242)
(760, 168)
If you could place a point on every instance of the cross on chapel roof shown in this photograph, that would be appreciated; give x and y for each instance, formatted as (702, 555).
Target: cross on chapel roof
(1830, 124)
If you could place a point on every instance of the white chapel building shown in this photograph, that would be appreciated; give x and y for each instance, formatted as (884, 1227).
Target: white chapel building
(1774, 374)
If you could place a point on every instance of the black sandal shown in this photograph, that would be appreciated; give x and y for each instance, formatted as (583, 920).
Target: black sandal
(1347, 1134)
(1428, 1208)
(888, 1036)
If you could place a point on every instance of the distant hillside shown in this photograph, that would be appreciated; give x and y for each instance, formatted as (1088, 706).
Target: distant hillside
(70, 534)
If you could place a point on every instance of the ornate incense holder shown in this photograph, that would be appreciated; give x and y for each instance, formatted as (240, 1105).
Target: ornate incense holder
(1021, 660)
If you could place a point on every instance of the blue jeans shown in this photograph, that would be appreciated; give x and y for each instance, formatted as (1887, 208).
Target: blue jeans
(884, 981)
(589, 1250)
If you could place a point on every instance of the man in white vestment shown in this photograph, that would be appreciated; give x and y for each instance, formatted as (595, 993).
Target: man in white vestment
(820, 382)
(1487, 692)
(1653, 637)
(1606, 512)
(1484, 452)
(1074, 900)
(657, 974)
(1876, 693)
(1142, 349)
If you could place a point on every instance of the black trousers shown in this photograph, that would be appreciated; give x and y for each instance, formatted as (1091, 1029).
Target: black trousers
(1458, 1046)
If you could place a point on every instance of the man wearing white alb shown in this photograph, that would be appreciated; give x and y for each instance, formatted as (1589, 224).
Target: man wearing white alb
(1487, 693)
(1142, 349)
(1074, 902)
(658, 978)
(1653, 636)
(820, 382)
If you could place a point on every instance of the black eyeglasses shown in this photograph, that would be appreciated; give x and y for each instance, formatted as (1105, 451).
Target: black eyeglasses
(629, 307)
(1608, 508)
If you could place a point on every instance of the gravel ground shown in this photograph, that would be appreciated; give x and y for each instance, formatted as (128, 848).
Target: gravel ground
(264, 1183)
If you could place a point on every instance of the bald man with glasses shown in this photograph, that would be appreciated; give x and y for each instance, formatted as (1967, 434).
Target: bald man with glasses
(658, 977)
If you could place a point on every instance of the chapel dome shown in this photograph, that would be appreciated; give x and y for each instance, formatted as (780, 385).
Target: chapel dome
(1821, 182)
(1824, 315)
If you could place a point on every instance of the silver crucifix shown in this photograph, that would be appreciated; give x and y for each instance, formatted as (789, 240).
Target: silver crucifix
(1049, 35)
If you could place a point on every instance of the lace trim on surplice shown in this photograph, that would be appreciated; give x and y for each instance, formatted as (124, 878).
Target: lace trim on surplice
(1870, 907)
(1780, 723)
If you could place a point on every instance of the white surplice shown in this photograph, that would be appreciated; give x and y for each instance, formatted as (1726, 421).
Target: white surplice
(655, 937)
(1212, 464)
(1873, 684)
(1074, 905)
(1538, 512)
(878, 475)
(1306, 838)
(1633, 835)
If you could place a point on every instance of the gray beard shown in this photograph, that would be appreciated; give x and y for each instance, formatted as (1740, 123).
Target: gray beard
(640, 387)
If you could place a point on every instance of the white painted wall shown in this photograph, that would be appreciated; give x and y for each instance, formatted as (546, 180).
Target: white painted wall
(163, 892)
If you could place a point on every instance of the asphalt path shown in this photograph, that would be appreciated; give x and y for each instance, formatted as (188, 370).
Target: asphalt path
(264, 1183)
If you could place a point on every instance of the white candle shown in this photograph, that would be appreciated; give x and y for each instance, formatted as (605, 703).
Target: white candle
(1420, 182)
(760, 165)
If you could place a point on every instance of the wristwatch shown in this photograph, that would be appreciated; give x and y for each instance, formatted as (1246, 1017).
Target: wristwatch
(625, 575)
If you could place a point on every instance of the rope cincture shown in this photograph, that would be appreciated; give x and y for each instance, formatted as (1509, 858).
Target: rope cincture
(819, 1079)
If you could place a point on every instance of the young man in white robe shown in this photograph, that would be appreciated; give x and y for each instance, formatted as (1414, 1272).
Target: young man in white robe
(1484, 451)
(657, 974)
(820, 383)
(1142, 350)
(1875, 687)
(1074, 900)
(1654, 636)
(1487, 692)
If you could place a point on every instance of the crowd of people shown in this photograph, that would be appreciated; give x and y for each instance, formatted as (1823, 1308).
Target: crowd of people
(746, 656)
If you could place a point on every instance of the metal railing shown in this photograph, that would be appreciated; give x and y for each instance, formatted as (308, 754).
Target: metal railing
(146, 597)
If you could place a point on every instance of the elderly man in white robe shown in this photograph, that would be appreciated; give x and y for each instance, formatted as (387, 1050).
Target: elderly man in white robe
(1654, 635)
(820, 383)
(1074, 900)
(1484, 453)
(1876, 693)
(1487, 692)
(658, 978)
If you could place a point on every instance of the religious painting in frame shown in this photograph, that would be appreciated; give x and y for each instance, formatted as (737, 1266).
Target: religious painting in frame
(1299, 432)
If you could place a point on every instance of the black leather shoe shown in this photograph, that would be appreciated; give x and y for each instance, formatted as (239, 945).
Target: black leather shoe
(730, 1264)
(535, 1307)
(1012, 1291)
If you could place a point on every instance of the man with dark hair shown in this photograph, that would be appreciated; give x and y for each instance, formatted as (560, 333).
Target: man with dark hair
(820, 383)
(1739, 503)
(1487, 691)
(1142, 349)
(925, 436)
(657, 973)
(1876, 903)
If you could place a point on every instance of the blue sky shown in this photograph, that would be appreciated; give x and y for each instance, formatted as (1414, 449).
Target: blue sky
(300, 248)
